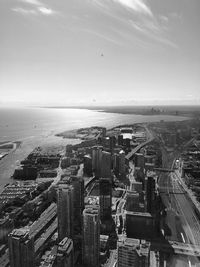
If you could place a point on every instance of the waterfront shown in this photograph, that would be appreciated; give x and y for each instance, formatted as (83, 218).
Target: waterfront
(37, 126)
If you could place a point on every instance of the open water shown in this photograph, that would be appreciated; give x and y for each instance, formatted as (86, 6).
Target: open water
(37, 126)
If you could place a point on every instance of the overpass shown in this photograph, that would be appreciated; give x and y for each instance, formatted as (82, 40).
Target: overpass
(137, 148)
(163, 170)
(177, 248)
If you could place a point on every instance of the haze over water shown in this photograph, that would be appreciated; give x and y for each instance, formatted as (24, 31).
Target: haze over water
(37, 126)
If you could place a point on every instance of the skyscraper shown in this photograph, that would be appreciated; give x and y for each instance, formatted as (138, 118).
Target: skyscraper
(96, 160)
(65, 253)
(78, 186)
(149, 193)
(21, 248)
(105, 200)
(112, 141)
(91, 236)
(106, 164)
(65, 204)
(122, 166)
(116, 163)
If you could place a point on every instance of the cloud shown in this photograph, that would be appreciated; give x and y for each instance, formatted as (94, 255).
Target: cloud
(32, 2)
(37, 8)
(46, 11)
(136, 5)
(25, 11)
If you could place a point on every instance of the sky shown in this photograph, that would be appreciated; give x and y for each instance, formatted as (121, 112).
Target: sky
(99, 52)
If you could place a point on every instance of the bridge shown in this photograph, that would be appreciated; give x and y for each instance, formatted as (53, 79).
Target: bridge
(163, 170)
(177, 248)
(137, 148)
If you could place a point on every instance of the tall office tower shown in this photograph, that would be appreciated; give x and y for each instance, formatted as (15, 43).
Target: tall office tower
(106, 164)
(91, 236)
(21, 248)
(122, 166)
(78, 185)
(96, 160)
(133, 254)
(105, 186)
(112, 141)
(120, 140)
(149, 194)
(87, 163)
(116, 163)
(65, 253)
(65, 202)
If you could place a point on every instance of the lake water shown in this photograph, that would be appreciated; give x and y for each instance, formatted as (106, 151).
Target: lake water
(37, 126)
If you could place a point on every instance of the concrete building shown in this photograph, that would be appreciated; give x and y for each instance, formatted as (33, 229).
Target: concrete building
(25, 243)
(21, 248)
(105, 199)
(140, 225)
(127, 252)
(65, 253)
(136, 186)
(65, 202)
(6, 226)
(91, 236)
(132, 201)
(132, 253)
(106, 164)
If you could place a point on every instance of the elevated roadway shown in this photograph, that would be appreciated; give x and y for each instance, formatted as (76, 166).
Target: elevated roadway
(150, 138)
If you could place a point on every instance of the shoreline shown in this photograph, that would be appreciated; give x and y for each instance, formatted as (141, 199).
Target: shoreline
(148, 110)
(26, 145)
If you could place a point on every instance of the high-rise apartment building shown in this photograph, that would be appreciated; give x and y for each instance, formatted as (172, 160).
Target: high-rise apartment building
(132, 253)
(91, 236)
(65, 202)
(65, 253)
(127, 252)
(21, 248)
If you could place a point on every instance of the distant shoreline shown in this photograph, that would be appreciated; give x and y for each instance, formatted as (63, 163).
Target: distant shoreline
(150, 110)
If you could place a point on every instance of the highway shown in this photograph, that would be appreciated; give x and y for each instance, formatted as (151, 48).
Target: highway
(181, 215)
(181, 218)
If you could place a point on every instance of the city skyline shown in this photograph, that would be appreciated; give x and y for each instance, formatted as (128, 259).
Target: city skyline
(99, 52)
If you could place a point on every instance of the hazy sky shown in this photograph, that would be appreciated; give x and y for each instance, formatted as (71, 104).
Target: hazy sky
(100, 51)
